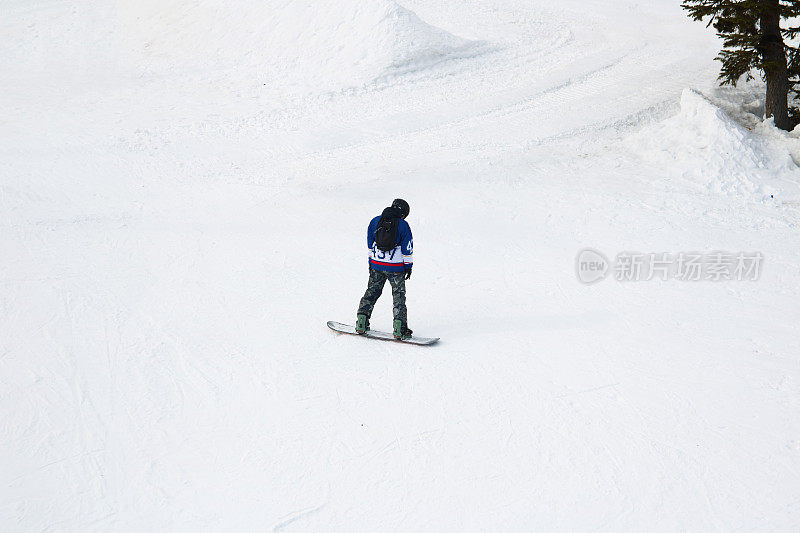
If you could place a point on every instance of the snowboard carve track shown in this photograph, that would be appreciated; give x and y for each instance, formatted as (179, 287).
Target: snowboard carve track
(380, 335)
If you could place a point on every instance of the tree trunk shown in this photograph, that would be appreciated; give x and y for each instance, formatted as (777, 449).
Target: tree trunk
(773, 56)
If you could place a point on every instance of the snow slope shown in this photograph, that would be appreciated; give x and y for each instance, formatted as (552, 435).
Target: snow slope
(184, 191)
(317, 44)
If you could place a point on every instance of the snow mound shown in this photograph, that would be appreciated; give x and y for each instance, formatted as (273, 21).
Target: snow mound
(321, 44)
(706, 146)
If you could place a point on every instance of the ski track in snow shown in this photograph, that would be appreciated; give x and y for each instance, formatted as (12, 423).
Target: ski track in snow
(174, 241)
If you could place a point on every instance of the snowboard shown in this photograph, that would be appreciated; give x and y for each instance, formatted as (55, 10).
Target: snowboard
(380, 335)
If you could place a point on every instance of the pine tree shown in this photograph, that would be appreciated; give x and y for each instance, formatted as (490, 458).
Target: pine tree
(754, 39)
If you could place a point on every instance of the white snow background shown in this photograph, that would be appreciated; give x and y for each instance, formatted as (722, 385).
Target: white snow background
(184, 193)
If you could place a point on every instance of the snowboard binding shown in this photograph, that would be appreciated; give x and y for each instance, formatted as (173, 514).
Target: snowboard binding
(362, 324)
(401, 331)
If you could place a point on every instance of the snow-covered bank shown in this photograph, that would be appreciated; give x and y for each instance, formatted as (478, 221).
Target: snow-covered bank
(178, 226)
(705, 146)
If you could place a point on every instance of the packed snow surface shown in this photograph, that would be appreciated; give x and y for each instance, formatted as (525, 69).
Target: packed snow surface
(185, 189)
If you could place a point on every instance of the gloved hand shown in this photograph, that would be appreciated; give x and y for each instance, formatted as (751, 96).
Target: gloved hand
(408, 273)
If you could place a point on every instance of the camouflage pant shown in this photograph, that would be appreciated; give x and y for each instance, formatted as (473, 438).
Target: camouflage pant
(377, 278)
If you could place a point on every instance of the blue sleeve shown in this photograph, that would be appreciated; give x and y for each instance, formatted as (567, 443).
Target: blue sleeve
(407, 244)
(373, 224)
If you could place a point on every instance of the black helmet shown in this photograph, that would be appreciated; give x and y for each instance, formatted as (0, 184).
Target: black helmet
(402, 205)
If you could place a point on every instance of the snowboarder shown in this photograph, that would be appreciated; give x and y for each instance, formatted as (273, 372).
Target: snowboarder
(390, 257)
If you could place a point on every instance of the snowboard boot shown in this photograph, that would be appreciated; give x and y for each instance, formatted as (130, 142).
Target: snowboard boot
(362, 324)
(401, 331)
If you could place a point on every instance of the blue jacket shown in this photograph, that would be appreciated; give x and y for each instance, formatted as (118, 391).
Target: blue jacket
(397, 260)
